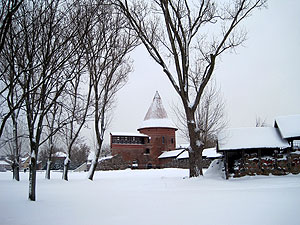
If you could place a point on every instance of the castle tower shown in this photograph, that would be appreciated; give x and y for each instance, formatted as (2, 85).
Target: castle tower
(159, 128)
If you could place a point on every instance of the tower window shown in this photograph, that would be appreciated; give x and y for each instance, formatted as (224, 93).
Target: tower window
(163, 139)
(172, 140)
(147, 151)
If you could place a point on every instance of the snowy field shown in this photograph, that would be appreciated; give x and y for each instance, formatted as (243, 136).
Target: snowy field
(151, 197)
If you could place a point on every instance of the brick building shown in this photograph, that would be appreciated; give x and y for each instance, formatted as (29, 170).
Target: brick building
(156, 134)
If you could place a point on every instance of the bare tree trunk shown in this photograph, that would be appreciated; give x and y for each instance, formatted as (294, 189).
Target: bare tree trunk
(49, 163)
(95, 162)
(99, 121)
(196, 146)
(66, 165)
(16, 161)
(48, 169)
(32, 172)
(16, 169)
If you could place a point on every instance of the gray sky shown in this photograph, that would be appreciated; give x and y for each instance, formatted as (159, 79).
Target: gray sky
(261, 80)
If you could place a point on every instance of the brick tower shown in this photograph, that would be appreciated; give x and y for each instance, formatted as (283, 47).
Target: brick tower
(160, 129)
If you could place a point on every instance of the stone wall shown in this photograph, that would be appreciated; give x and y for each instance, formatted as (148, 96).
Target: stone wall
(181, 163)
(280, 163)
(113, 163)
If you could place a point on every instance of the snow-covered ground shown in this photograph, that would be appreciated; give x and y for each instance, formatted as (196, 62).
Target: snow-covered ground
(152, 197)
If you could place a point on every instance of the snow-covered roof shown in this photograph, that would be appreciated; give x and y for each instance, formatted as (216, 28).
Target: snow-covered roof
(105, 158)
(211, 153)
(249, 138)
(60, 154)
(2, 162)
(289, 126)
(162, 123)
(170, 154)
(208, 153)
(128, 134)
(156, 115)
(183, 155)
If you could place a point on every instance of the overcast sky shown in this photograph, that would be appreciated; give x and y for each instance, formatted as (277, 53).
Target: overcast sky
(261, 80)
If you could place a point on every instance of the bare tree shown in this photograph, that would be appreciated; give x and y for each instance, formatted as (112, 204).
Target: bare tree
(80, 154)
(210, 116)
(12, 144)
(77, 106)
(53, 121)
(186, 38)
(7, 10)
(47, 34)
(10, 94)
(11, 98)
(76, 110)
(107, 45)
(259, 122)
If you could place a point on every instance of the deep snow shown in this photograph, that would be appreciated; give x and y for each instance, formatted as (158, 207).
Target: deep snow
(152, 197)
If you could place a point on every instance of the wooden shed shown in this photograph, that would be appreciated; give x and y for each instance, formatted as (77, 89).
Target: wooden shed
(250, 151)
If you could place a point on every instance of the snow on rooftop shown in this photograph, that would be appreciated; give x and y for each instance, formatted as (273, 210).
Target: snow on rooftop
(289, 126)
(163, 123)
(170, 154)
(156, 110)
(128, 134)
(60, 154)
(248, 138)
(208, 153)
(2, 162)
(184, 155)
(211, 153)
(105, 158)
(156, 115)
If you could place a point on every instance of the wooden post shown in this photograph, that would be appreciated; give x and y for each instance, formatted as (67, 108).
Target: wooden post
(289, 159)
(276, 164)
(226, 164)
(259, 159)
(243, 158)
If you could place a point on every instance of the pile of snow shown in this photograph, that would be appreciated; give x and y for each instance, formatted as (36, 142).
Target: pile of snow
(215, 169)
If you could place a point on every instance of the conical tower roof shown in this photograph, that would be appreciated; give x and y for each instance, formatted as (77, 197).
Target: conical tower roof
(156, 115)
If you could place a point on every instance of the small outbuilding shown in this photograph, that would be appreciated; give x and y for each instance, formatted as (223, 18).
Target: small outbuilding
(257, 150)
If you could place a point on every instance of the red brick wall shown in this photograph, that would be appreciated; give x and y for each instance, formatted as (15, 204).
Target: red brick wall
(156, 141)
(132, 152)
